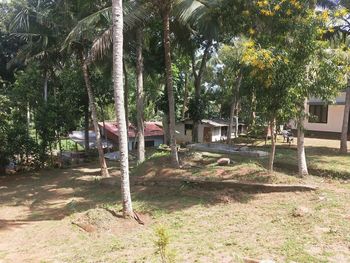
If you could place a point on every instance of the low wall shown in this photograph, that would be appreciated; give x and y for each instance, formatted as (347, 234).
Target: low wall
(226, 149)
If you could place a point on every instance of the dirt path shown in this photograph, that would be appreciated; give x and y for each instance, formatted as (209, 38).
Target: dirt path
(33, 209)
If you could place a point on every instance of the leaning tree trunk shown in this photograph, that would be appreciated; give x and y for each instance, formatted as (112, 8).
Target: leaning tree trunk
(169, 82)
(103, 165)
(273, 145)
(117, 18)
(86, 127)
(345, 127)
(234, 103)
(140, 98)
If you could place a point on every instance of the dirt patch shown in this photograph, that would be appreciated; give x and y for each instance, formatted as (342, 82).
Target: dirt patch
(105, 220)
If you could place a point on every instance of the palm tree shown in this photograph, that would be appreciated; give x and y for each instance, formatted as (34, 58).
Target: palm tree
(117, 18)
(185, 11)
(165, 9)
(93, 108)
(140, 97)
(78, 43)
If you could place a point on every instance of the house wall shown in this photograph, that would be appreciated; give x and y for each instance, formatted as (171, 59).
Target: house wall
(334, 121)
(216, 134)
(180, 134)
(182, 138)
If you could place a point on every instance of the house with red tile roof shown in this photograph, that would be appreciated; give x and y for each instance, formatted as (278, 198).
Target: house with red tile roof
(154, 134)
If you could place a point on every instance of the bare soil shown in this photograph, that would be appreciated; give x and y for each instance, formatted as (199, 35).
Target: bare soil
(39, 213)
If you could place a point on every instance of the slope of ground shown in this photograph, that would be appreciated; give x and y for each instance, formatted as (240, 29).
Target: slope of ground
(37, 211)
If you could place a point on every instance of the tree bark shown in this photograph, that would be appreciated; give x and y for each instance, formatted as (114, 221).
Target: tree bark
(302, 165)
(253, 110)
(86, 128)
(117, 18)
(46, 79)
(198, 86)
(273, 145)
(126, 93)
(345, 127)
(140, 97)
(103, 164)
(165, 121)
(185, 104)
(104, 126)
(169, 81)
(234, 108)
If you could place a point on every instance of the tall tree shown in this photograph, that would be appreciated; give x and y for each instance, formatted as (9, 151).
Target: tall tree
(117, 18)
(165, 8)
(93, 108)
(140, 97)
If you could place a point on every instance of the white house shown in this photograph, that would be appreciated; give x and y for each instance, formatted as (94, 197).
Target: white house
(208, 131)
(326, 120)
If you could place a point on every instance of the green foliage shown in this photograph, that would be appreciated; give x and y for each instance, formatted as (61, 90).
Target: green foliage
(162, 244)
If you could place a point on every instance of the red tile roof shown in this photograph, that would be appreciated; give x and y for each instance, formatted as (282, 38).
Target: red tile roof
(151, 129)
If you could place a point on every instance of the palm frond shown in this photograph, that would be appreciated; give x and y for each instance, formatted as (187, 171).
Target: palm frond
(86, 24)
(102, 44)
(134, 15)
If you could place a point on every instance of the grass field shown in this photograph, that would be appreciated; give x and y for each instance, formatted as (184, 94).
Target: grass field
(203, 225)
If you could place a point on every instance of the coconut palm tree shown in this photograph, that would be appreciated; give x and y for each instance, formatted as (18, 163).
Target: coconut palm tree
(185, 10)
(79, 46)
(117, 18)
(140, 97)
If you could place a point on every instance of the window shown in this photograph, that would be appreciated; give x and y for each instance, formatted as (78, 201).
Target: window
(224, 130)
(188, 127)
(149, 144)
(318, 113)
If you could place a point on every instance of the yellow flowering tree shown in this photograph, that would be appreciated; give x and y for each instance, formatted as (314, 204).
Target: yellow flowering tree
(285, 46)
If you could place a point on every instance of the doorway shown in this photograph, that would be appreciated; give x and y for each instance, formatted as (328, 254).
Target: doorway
(207, 134)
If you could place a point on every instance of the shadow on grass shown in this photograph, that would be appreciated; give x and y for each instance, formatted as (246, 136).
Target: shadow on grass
(56, 194)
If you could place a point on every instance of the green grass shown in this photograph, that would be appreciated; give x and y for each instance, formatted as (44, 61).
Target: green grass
(203, 225)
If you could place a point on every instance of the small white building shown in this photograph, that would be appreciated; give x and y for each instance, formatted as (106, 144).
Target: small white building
(326, 120)
(208, 131)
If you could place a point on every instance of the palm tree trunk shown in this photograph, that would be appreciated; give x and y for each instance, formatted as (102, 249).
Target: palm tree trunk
(46, 79)
(103, 164)
(169, 81)
(273, 145)
(185, 104)
(86, 128)
(345, 127)
(140, 98)
(234, 110)
(126, 92)
(117, 18)
(104, 126)
(198, 85)
(165, 121)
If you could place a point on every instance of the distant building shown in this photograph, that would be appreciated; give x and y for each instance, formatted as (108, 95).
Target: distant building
(326, 120)
(208, 130)
(154, 135)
